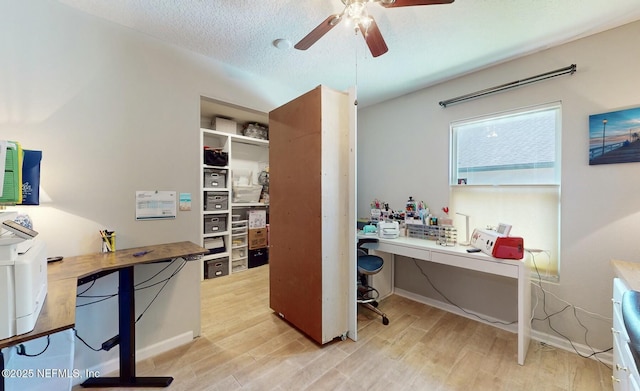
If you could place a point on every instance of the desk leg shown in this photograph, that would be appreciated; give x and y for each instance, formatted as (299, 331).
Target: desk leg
(127, 345)
(524, 313)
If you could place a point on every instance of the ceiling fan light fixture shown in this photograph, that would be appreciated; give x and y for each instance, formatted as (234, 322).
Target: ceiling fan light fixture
(356, 13)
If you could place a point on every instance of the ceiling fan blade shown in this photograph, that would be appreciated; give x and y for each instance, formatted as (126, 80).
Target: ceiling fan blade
(407, 3)
(317, 33)
(374, 39)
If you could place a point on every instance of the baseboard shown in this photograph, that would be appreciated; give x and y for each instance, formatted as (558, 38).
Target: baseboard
(539, 336)
(563, 344)
(141, 354)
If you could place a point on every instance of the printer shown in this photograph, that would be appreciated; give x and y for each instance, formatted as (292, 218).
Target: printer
(23, 278)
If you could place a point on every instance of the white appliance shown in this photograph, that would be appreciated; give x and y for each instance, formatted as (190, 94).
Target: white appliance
(388, 229)
(497, 245)
(23, 284)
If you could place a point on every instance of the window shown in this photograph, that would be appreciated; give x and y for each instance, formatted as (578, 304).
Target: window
(505, 168)
(518, 147)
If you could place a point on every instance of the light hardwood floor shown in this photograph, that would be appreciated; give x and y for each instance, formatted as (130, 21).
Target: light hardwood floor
(244, 345)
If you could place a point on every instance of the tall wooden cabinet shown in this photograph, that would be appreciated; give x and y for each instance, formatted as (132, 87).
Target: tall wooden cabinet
(312, 212)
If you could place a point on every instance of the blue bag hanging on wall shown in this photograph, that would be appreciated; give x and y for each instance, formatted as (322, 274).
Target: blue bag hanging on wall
(31, 177)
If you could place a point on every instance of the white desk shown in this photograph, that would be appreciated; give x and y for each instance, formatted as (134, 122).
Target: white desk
(457, 256)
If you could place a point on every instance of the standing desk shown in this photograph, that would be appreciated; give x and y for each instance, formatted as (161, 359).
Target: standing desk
(58, 310)
(457, 256)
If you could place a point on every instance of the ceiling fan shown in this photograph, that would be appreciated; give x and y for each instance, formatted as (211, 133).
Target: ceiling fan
(356, 10)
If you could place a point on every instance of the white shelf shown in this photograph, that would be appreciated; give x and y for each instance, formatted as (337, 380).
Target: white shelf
(244, 153)
(247, 204)
(214, 234)
(215, 212)
(209, 257)
(236, 137)
(215, 167)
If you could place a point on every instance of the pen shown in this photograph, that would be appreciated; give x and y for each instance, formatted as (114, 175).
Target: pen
(141, 253)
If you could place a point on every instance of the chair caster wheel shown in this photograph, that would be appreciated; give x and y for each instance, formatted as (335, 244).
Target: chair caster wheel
(374, 303)
(385, 321)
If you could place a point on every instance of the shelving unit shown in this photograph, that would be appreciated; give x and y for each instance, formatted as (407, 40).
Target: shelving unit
(245, 154)
(239, 246)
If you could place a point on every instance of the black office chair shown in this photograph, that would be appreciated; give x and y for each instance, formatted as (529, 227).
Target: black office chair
(369, 265)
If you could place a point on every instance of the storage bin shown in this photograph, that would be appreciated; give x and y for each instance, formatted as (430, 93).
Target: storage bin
(257, 238)
(239, 253)
(215, 224)
(239, 227)
(214, 245)
(258, 257)
(239, 265)
(239, 224)
(239, 239)
(248, 193)
(256, 131)
(237, 231)
(216, 268)
(224, 125)
(215, 201)
(214, 178)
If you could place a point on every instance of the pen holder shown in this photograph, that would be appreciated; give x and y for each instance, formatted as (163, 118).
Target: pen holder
(108, 241)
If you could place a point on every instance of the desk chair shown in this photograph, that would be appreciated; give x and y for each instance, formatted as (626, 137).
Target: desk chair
(369, 265)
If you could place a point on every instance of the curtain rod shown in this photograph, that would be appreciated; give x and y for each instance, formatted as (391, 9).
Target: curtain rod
(543, 76)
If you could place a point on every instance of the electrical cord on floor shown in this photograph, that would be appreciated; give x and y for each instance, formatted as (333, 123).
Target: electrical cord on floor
(456, 305)
(548, 319)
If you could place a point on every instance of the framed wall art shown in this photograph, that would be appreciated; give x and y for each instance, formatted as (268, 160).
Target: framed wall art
(614, 137)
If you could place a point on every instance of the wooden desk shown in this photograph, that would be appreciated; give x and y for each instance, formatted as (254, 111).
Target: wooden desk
(58, 310)
(457, 256)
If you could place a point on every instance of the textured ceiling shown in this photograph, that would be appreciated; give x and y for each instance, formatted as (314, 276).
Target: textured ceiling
(427, 44)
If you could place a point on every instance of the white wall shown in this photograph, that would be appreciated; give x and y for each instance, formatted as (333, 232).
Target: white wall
(113, 111)
(404, 150)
